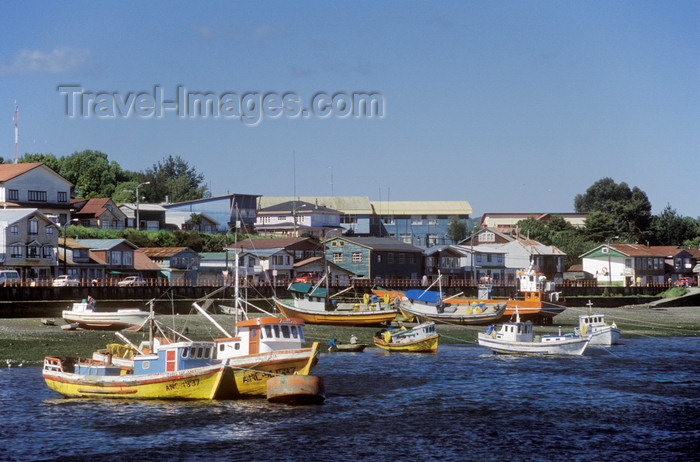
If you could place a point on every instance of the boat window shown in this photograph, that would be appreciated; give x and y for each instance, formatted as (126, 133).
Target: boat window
(200, 352)
(285, 331)
(222, 347)
(237, 346)
(184, 352)
(295, 334)
(277, 331)
(207, 352)
(253, 333)
(268, 332)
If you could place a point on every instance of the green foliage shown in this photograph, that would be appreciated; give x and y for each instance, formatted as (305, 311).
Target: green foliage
(674, 292)
(175, 179)
(559, 233)
(92, 173)
(49, 159)
(668, 228)
(456, 230)
(620, 211)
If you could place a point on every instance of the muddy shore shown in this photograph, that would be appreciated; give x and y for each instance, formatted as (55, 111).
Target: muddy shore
(26, 341)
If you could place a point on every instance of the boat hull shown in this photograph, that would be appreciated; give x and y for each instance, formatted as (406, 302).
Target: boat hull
(569, 346)
(459, 318)
(350, 347)
(336, 318)
(130, 320)
(197, 383)
(247, 377)
(426, 345)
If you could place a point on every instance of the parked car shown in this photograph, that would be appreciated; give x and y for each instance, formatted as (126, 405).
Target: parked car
(685, 281)
(132, 281)
(9, 277)
(307, 277)
(66, 280)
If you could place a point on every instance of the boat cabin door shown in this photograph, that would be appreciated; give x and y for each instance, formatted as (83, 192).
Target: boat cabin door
(254, 342)
(170, 359)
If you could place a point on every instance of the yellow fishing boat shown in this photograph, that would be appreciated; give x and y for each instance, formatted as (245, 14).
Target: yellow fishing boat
(422, 338)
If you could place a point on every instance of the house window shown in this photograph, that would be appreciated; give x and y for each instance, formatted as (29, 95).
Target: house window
(416, 220)
(488, 258)
(478, 257)
(13, 194)
(499, 259)
(337, 257)
(429, 261)
(16, 251)
(388, 220)
(116, 257)
(33, 226)
(402, 258)
(33, 251)
(49, 230)
(348, 219)
(47, 252)
(390, 258)
(14, 229)
(62, 196)
(37, 196)
(379, 258)
(431, 239)
(487, 236)
(432, 220)
(357, 257)
(405, 238)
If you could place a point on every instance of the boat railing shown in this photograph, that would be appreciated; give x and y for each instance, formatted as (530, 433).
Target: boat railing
(53, 364)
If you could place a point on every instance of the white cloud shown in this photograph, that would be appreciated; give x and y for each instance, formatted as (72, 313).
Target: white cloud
(58, 61)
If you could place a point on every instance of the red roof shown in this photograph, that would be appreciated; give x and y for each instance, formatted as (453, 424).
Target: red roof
(93, 207)
(10, 171)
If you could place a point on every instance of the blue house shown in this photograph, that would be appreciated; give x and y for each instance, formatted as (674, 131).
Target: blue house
(222, 209)
(375, 257)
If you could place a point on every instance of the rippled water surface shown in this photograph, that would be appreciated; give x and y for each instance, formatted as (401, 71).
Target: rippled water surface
(636, 401)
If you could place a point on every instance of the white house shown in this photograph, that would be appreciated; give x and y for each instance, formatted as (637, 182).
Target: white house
(297, 218)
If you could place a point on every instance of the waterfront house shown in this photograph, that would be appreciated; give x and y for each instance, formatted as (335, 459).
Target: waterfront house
(312, 269)
(74, 259)
(151, 217)
(121, 258)
(177, 264)
(420, 223)
(299, 247)
(28, 241)
(297, 218)
(98, 213)
(33, 185)
(375, 257)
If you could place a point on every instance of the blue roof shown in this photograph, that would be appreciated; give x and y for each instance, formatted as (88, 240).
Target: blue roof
(429, 296)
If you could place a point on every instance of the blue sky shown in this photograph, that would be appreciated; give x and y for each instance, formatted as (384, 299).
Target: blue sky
(514, 106)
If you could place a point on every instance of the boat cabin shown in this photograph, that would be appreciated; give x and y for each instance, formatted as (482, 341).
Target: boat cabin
(591, 320)
(512, 332)
(175, 357)
(262, 335)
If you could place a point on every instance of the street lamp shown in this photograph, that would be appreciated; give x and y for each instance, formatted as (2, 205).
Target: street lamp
(609, 263)
(138, 200)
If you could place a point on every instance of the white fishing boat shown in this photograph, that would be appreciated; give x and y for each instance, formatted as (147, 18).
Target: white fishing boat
(518, 338)
(600, 332)
(85, 316)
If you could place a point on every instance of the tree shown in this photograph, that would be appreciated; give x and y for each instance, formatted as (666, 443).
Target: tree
(669, 228)
(629, 210)
(456, 230)
(49, 159)
(174, 179)
(92, 173)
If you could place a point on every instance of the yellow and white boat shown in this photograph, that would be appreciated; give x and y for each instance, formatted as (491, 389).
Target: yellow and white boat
(422, 338)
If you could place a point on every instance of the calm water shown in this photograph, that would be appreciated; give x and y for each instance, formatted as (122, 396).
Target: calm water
(636, 401)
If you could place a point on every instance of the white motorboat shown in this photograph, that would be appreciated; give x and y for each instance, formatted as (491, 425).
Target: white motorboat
(599, 332)
(84, 315)
(518, 338)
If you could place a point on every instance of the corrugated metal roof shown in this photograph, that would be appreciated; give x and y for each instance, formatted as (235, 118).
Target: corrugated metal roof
(381, 243)
(162, 252)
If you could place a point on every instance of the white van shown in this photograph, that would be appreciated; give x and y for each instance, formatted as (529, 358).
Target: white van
(9, 277)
